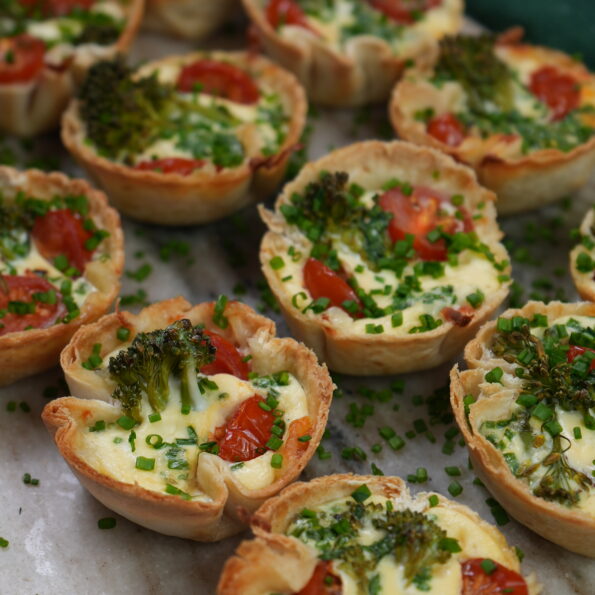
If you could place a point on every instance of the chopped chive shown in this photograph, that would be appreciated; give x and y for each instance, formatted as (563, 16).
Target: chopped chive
(106, 523)
(455, 489)
(145, 464)
(123, 333)
(126, 422)
(277, 461)
(361, 494)
(154, 417)
(433, 500)
(488, 566)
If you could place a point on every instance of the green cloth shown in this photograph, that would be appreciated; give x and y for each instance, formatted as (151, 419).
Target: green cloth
(568, 25)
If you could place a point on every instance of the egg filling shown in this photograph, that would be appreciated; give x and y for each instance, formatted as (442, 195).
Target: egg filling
(584, 261)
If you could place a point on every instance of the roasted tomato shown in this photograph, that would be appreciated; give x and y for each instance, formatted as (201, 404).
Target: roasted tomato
(286, 12)
(61, 232)
(292, 447)
(228, 359)
(323, 282)
(21, 58)
(405, 12)
(22, 309)
(420, 213)
(56, 8)
(448, 129)
(575, 351)
(493, 581)
(220, 79)
(171, 165)
(558, 90)
(458, 316)
(246, 432)
(323, 581)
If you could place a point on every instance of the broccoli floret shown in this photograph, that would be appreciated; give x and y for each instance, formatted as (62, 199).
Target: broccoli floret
(153, 358)
(122, 113)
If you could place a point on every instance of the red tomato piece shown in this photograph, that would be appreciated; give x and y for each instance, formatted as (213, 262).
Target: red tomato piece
(246, 432)
(323, 282)
(61, 232)
(21, 288)
(56, 8)
(286, 12)
(228, 360)
(448, 129)
(418, 215)
(476, 581)
(323, 581)
(404, 12)
(220, 79)
(558, 90)
(458, 316)
(575, 351)
(171, 165)
(292, 447)
(21, 58)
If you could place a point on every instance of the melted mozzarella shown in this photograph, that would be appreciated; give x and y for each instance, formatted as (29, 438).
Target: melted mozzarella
(110, 452)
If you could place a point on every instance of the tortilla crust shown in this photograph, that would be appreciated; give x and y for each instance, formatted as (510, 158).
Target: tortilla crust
(206, 194)
(26, 353)
(364, 73)
(33, 107)
(275, 562)
(572, 529)
(359, 353)
(521, 182)
(230, 502)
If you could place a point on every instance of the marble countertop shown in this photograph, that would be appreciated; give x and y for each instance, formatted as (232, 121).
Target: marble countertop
(55, 545)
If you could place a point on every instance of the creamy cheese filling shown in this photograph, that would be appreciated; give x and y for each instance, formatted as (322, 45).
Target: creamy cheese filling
(550, 446)
(162, 452)
(584, 254)
(388, 572)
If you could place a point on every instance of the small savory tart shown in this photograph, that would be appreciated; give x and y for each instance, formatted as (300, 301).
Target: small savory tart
(192, 19)
(61, 257)
(189, 417)
(522, 116)
(351, 52)
(526, 407)
(385, 257)
(186, 139)
(582, 258)
(46, 46)
(355, 535)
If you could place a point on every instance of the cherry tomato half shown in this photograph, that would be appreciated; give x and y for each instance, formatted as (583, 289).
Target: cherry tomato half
(292, 447)
(61, 232)
(171, 165)
(228, 360)
(419, 214)
(558, 90)
(323, 581)
(246, 432)
(575, 351)
(448, 129)
(21, 288)
(220, 79)
(286, 12)
(323, 282)
(56, 8)
(405, 12)
(21, 58)
(477, 581)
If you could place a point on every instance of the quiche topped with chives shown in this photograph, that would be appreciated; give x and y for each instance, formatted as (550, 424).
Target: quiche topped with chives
(526, 408)
(46, 46)
(385, 257)
(61, 257)
(186, 139)
(351, 52)
(188, 414)
(523, 116)
(356, 535)
(582, 258)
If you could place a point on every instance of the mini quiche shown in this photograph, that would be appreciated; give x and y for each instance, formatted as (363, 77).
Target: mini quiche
(526, 407)
(385, 257)
(186, 139)
(356, 535)
(522, 116)
(582, 258)
(46, 46)
(61, 257)
(192, 19)
(351, 52)
(189, 417)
